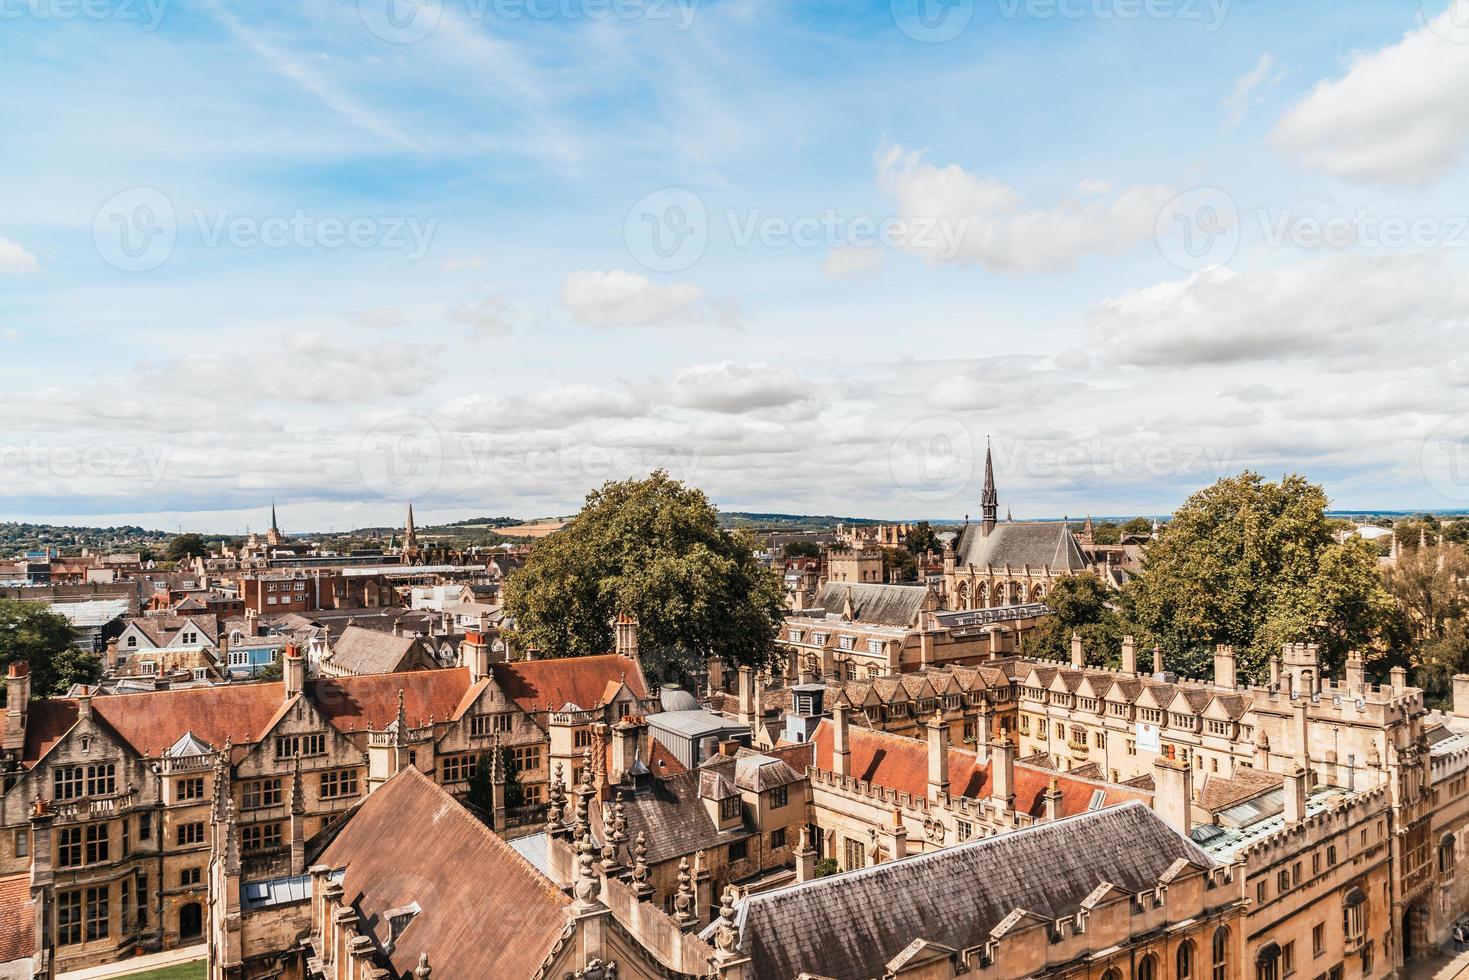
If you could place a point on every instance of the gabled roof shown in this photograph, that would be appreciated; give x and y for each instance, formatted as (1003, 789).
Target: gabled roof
(151, 722)
(674, 816)
(353, 704)
(365, 651)
(850, 926)
(887, 605)
(411, 842)
(1017, 544)
(541, 685)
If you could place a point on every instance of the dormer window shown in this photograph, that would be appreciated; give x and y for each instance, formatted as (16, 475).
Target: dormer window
(729, 809)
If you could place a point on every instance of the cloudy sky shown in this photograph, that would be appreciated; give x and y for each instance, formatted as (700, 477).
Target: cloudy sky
(808, 256)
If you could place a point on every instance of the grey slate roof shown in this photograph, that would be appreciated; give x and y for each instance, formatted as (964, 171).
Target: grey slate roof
(1037, 545)
(889, 605)
(364, 651)
(674, 818)
(848, 926)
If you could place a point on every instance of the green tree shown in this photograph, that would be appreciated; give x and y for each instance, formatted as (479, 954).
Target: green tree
(826, 867)
(901, 565)
(32, 633)
(1080, 604)
(1431, 588)
(186, 546)
(481, 787)
(652, 549)
(1106, 532)
(1253, 564)
(801, 549)
(1136, 526)
(921, 538)
(272, 671)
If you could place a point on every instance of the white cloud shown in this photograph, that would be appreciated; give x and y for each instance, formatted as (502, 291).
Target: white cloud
(953, 215)
(735, 388)
(382, 318)
(14, 259)
(1345, 309)
(1249, 89)
(489, 317)
(617, 298)
(1399, 114)
(847, 261)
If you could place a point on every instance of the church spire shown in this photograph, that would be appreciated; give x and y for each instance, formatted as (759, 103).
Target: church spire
(989, 500)
(273, 525)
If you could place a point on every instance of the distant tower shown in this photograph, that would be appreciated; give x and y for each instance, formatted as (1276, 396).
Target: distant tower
(410, 537)
(274, 537)
(989, 500)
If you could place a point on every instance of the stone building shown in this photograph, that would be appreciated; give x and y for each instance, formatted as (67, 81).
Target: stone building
(1007, 563)
(860, 631)
(876, 796)
(105, 809)
(1113, 894)
(381, 899)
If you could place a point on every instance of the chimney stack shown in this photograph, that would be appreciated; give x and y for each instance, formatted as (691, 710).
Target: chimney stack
(110, 663)
(1224, 667)
(1002, 773)
(841, 749)
(1078, 653)
(17, 705)
(747, 695)
(1303, 734)
(1053, 799)
(938, 757)
(1461, 695)
(1129, 655)
(626, 629)
(1157, 659)
(1295, 796)
(1399, 677)
(293, 671)
(1356, 673)
(805, 856)
(1173, 793)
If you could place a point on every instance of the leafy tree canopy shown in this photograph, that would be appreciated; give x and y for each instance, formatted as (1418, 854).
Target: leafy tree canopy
(1079, 604)
(801, 549)
(921, 538)
(1253, 564)
(653, 549)
(1431, 589)
(185, 546)
(32, 633)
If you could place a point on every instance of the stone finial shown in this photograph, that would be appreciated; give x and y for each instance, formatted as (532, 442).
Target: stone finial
(727, 900)
(683, 899)
(640, 858)
(298, 797)
(423, 971)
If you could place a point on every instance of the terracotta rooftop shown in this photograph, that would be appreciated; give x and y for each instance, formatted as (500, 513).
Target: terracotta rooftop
(410, 841)
(17, 918)
(549, 685)
(901, 763)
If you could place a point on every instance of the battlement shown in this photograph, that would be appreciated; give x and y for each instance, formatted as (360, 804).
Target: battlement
(1326, 822)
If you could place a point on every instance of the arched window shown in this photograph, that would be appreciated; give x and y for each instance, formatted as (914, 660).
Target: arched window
(1184, 964)
(963, 595)
(1220, 957)
(1147, 968)
(1446, 854)
(1112, 974)
(1354, 917)
(1267, 962)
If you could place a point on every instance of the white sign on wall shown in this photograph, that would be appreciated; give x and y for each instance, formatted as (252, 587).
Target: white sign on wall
(1147, 738)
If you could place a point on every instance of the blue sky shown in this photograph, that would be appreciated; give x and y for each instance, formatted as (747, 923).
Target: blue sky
(341, 254)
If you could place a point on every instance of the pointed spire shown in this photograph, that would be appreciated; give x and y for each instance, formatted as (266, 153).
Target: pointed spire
(989, 499)
(273, 525)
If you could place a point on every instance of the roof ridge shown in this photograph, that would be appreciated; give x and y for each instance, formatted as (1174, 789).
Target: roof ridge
(977, 844)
